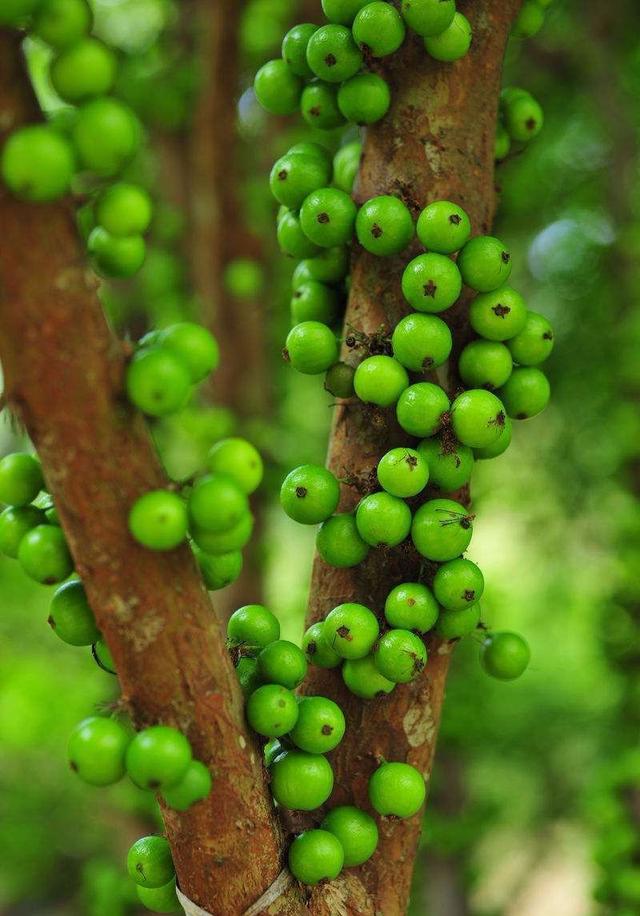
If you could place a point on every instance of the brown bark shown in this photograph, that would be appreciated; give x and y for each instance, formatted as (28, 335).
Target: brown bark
(436, 143)
(63, 377)
(218, 234)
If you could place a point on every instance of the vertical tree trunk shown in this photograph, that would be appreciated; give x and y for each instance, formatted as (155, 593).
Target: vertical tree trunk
(437, 142)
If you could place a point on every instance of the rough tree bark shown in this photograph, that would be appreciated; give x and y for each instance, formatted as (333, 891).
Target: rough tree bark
(63, 378)
(436, 143)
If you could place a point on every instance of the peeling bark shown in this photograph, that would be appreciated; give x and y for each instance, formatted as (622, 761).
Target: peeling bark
(63, 378)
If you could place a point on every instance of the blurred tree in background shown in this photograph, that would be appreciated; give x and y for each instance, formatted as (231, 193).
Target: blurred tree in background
(534, 791)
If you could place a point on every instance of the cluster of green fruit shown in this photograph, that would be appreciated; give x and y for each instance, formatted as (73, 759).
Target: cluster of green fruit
(98, 135)
(302, 729)
(330, 58)
(150, 867)
(520, 119)
(530, 18)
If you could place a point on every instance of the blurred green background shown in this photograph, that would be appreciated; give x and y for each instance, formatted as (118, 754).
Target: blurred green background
(533, 808)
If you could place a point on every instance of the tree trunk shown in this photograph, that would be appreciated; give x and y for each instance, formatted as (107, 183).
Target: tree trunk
(63, 377)
(437, 142)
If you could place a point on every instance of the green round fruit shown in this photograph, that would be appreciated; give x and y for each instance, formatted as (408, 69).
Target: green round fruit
(498, 315)
(272, 710)
(485, 364)
(282, 662)
(157, 382)
(457, 584)
(315, 856)
(505, 655)
(102, 656)
(313, 301)
(292, 241)
(339, 543)
(456, 624)
(158, 757)
(124, 209)
(403, 472)
(477, 418)
(523, 118)
(216, 503)
(450, 465)
(115, 257)
(400, 656)
(411, 606)
(380, 380)
(247, 671)
(158, 520)
(277, 88)
(319, 106)
(534, 343)
(351, 630)
(397, 789)
(70, 616)
(332, 54)
(86, 69)
(364, 99)
(244, 278)
(327, 217)
(453, 43)
(149, 861)
(219, 569)
(96, 750)
(194, 346)
(294, 48)
(384, 225)
(428, 17)
(194, 786)
(499, 446)
(15, 522)
(301, 781)
(317, 650)
(342, 11)
(363, 679)
(253, 625)
(311, 347)
(160, 899)
(37, 163)
(329, 265)
(234, 538)
(441, 530)
(295, 175)
(421, 408)
(431, 282)
(20, 479)
(238, 459)
(383, 520)
(320, 726)
(355, 829)
(378, 29)
(421, 342)
(339, 380)
(526, 393)
(443, 227)
(44, 555)
(309, 494)
(106, 134)
(484, 263)
(62, 23)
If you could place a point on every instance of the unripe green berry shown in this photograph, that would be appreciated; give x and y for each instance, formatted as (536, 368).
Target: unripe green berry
(443, 227)
(37, 163)
(383, 520)
(534, 342)
(363, 679)
(339, 543)
(411, 606)
(501, 444)
(378, 28)
(292, 241)
(301, 781)
(450, 465)
(380, 380)
(44, 555)
(332, 54)
(234, 538)
(441, 530)
(106, 134)
(309, 494)
(384, 225)
(484, 263)
(339, 380)
(364, 98)
(86, 69)
(431, 282)
(477, 418)
(216, 503)
(149, 861)
(346, 163)
(158, 520)
(158, 757)
(400, 656)
(277, 88)
(315, 856)
(311, 347)
(397, 789)
(15, 522)
(499, 314)
(458, 584)
(351, 630)
(282, 662)
(294, 48)
(20, 479)
(421, 407)
(355, 829)
(320, 726)
(194, 346)
(319, 106)
(160, 899)
(220, 569)
(342, 11)
(317, 650)
(428, 17)
(295, 175)
(157, 381)
(313, 301)
(239, 460)
(456, 624)
(453, 43)
(327, 217)
(124, 209)
(485, 364)
(505, 655)
(70, 616)
(526, 393)
(96, 750)
(252, 625)
(402, 472)
(421, 342)
(272, 710)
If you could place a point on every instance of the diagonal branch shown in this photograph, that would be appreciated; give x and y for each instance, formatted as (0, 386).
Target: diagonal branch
(63, 374)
